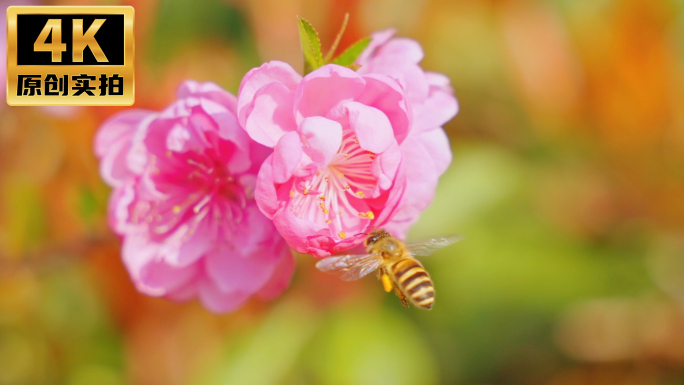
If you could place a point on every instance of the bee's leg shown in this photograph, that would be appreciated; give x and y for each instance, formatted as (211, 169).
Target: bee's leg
(402, 297)
(386, 282)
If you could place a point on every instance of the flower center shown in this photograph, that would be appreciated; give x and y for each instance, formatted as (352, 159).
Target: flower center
(196, 185)
(217, 190)
(335, 196)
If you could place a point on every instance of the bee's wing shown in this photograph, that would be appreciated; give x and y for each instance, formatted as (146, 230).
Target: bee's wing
(352, 266)
(425, 247)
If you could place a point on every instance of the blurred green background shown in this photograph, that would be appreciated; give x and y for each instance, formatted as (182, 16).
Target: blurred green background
(567, 183)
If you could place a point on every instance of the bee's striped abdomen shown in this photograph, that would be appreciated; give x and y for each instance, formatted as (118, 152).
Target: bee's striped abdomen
(415, 282)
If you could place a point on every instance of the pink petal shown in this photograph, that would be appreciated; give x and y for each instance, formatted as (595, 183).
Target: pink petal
(179, 108)
(386, 95)
(258, 154)
(440, 107)
(191, 241)
(390, 161)
(248, 183)
(138, 156)
(436, 79)
(237, 158)
(225, 120)
(252, 234)
(113, 167)
(117, 128)
(377, 40)
(182, 138)
(436, 143)
(399, 59)
(255, 79)
(120, 202)
(149, 275)
(286, 156)
(270, 115)
(385, 167)
(422, 175)
(113, 143)
(159, 278)
(265, 193)
(208, 90)
(233, 271)
(154, 139)
(323, 138)
(281, 277)
(321, 246)
(401, 49)
(386, 205)
(217, 301)
(412, 78)
(295, 230)
(409, 75)
(431, 150)
(185, 292)
(324, 89)
(372, 127)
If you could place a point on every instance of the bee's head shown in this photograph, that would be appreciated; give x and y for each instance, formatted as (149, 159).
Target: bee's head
(373, 236)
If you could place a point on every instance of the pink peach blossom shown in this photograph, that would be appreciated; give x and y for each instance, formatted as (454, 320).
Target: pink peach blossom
(432, 104)
(183, 202)
(336, 169)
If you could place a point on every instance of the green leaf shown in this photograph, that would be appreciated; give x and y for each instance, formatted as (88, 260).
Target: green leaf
(349, 56)
(311, 46)
(337, 39)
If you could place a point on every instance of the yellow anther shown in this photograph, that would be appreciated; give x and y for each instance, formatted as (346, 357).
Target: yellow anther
(361, 194)
(321, 198)
(327, 179)
(306, 191)
(342, 235)
(346, 155)
(291, 193)
(176, 209)
(329, 221)
(368, 214)
(347, 187)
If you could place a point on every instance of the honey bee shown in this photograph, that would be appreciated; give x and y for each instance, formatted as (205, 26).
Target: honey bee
(395, 266)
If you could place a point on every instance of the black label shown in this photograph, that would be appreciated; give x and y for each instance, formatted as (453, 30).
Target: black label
(110, 38)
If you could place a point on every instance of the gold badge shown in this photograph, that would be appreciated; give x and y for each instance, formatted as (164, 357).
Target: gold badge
(70, 56)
